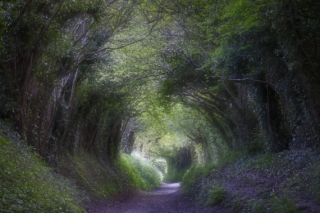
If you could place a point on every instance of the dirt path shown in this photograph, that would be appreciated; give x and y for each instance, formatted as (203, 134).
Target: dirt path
(166, 199)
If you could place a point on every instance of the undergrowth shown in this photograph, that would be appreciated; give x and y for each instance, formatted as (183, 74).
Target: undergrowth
(93, 175)
(174, 175)
(103, 179)
(28, 185)
(139, 173)
(295, 174)
(199, 181)
(300, 167)
(217, 194)
(283, 204)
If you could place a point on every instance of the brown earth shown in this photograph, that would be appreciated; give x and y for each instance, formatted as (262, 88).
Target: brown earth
(168, 198)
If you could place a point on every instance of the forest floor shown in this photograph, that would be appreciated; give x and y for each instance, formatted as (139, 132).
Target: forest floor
(168, 198)
(285, 182)
(249, 189)
(253, 191)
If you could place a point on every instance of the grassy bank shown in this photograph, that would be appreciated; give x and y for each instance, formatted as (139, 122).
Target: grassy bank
(174, 175)
(27, 184)
(104, 179)
(280, 182)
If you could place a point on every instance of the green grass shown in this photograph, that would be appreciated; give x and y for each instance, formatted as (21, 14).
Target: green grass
(28, 185)
(103, 179)
(139, 172)
(92, 174)
(283, 204)
(217, 194)
(199, 179)
(174, 175)
(300, 167)
(256, 206)
(307, 179)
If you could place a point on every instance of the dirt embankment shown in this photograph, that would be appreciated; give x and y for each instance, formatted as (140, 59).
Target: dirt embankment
(243, 188)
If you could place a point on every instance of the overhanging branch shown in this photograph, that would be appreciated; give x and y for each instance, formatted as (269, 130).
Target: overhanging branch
(244, 79)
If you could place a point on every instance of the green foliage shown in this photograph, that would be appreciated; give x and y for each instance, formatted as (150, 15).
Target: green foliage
(283, 204)
(191, 182)
(239, 63)
(28, 185)
(275, 204)
(59, 51)
(128, 172)
(216, 195)
(240, 16)
(208, 76)
(237, 203)
(160, 164)
(256, 205)
(175, 175)
(313, 176)
(308, 177)
(90, 173)
(198, 181)
(283, 163)
(139, 172)
(299, 167)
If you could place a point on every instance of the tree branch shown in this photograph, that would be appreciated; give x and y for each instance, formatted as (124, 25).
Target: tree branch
(245, 79)
(20, 15)
(48, 24)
